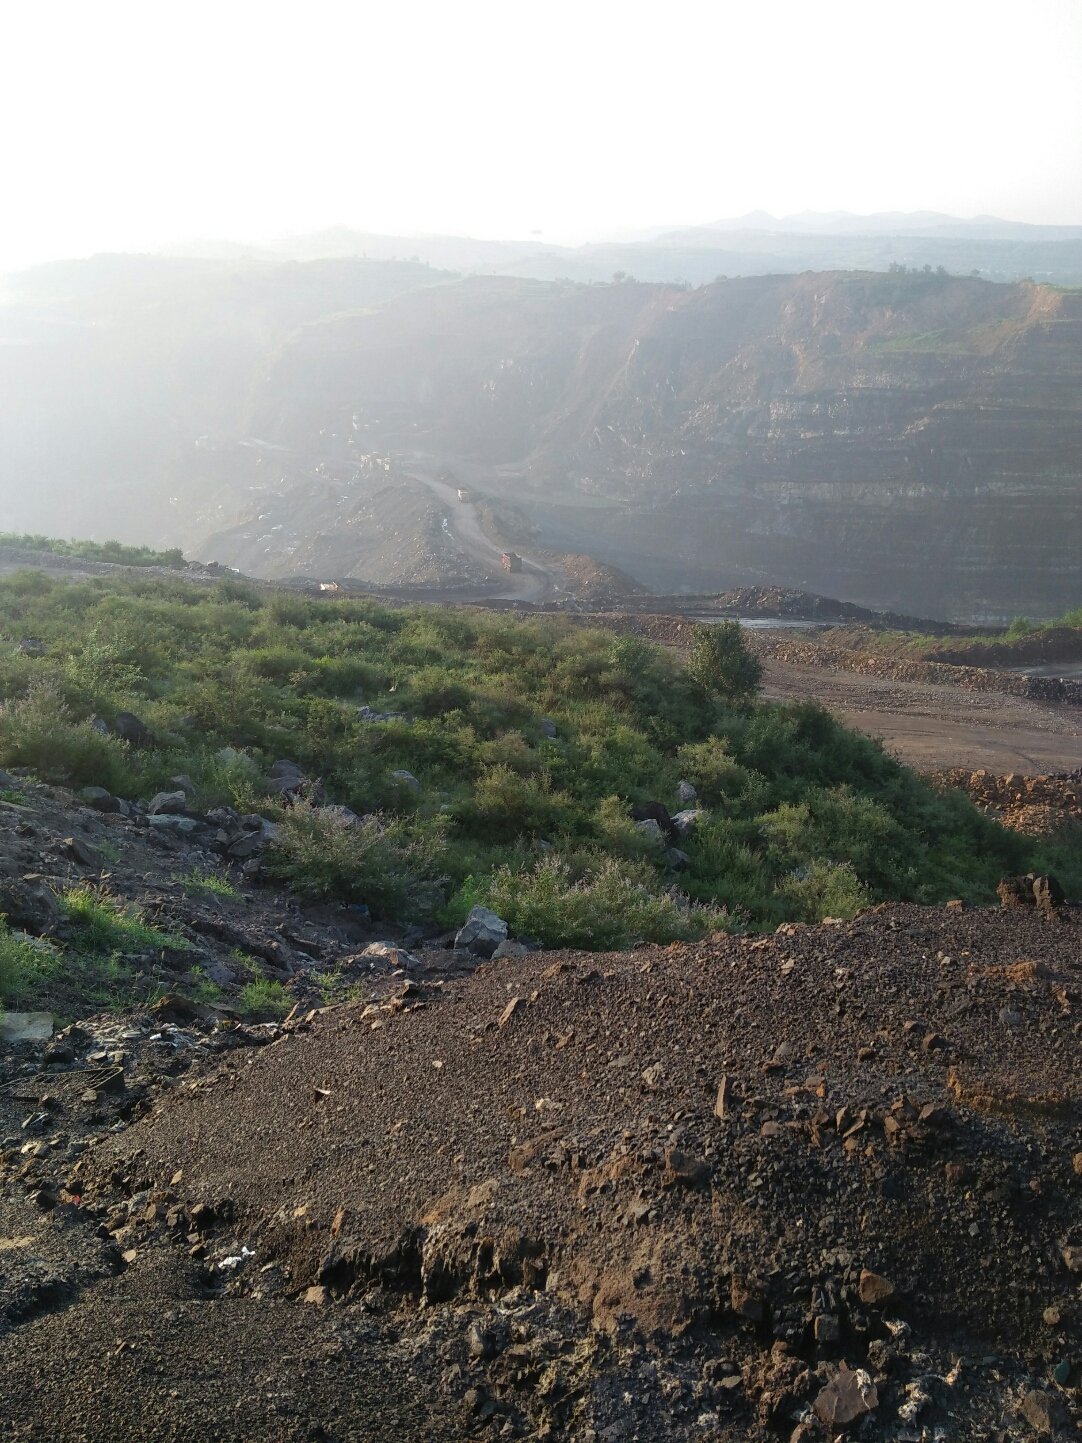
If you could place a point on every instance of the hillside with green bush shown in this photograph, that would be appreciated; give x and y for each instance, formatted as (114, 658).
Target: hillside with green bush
(530, 739)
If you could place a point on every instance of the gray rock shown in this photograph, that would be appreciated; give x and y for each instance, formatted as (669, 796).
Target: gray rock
(686, 793)
(30, 646)
(407, 779)
(549, 728)
(26, 1026)
(649, 828)
(7, 782)
(218, 973)
(101, 726)
(684, 823)
(184, 784)
(369, 714)
(168, 822)
(677, 859)
(100, 799)
(171, 802)
(346, 815)
(482, 933)
(28, 905)
(511, 949)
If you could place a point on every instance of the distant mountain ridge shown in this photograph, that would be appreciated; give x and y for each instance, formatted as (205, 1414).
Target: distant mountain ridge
(754, 244)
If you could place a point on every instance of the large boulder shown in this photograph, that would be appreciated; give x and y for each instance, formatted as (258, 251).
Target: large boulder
(481, 933)
(130, 729)
(29, 904)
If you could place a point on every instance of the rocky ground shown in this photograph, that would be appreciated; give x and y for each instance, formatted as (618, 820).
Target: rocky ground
(820, 1184)
(1036, 806)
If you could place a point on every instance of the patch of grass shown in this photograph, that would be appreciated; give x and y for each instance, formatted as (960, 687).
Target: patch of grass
(102, 926)
(202, 989)
(25, 965)
(210, 882)
(264, 1000)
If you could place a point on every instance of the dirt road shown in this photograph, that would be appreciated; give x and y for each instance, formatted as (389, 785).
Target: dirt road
(463, 522)
(932, 727)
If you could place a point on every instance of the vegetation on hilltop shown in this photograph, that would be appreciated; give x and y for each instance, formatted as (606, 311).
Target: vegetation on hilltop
(114, 551)
(800, 818)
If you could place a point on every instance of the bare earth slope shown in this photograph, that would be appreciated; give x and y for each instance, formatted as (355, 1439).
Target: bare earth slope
(510, 1207)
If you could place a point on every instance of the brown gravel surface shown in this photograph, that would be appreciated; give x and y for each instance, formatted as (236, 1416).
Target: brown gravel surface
(507, 1206)
(938, 727)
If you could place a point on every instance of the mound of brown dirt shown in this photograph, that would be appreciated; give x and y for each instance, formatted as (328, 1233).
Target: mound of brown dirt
(600, 585)
(733, 1191)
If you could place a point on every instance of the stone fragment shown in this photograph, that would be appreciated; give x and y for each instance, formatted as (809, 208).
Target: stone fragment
(873, 1289)
(1042, 1411)
(724, 1099)
(683, 1170)
(81, 852)
(685, 822)
(131, 730)
(25, 1026)
(849, 1396)
(746, 1300)
(1048, 895)
(651, 830)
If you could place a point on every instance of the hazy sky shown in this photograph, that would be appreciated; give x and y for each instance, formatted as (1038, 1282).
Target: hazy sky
(126, 125)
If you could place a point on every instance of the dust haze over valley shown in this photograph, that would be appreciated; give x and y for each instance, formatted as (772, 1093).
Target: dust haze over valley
(877, 403)
(541, 722)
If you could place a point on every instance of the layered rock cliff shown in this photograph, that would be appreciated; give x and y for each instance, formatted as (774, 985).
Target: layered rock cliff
(913, 442)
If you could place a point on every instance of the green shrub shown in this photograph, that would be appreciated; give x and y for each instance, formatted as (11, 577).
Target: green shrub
(376, 860)
(608, 908)
(38, 731)
(723, 664)
(506, 804)
(823, 889)
(711, 769)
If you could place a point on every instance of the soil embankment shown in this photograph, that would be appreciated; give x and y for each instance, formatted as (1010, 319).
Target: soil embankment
(687, 1193)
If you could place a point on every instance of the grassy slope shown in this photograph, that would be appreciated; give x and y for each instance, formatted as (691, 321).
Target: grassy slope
(805, 818)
